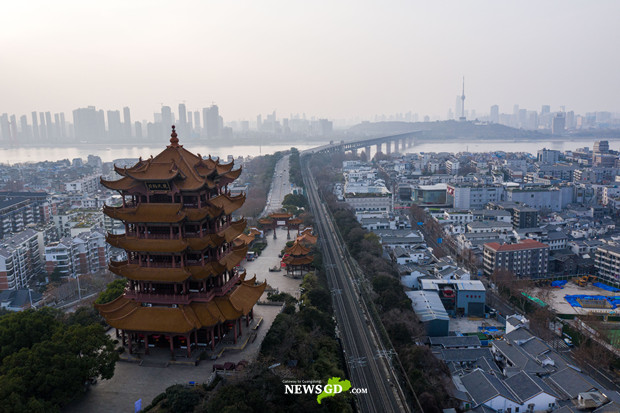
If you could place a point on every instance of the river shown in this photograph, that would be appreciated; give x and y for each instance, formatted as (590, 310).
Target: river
(115, 151)
(108, 153)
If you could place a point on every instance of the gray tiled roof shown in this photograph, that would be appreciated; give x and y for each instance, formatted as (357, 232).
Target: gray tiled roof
(523, 386)
(570, 382)
(483, 387)
(455, 341)
(466, 354)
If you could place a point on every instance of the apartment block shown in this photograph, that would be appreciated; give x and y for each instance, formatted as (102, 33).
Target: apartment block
(84, 253)
(20, 259)
(607, 263)
(526, 259)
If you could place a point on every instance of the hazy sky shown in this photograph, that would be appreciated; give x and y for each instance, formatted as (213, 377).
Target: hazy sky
(337, 59)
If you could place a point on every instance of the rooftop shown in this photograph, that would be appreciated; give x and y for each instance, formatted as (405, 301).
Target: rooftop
(525, 244)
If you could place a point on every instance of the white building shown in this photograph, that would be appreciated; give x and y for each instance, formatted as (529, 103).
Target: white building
(20, 259)
(465, 196)
(85, 185)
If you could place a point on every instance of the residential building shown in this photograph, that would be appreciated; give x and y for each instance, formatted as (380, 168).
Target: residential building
(607, 262)
(527, 258)
(468, 196)
(20, 259)
(85, 253)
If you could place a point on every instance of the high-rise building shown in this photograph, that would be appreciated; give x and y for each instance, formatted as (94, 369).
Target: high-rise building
(5, 127)
(570, 120)
(197, 122)
(494, 115)
(138, 128)
(184, 286)
(213, 122)
(182, 121)
(88, 124)
(35, 126)
(25, 129)
(558, 124)
(115, 127)
(126, 122)
(57, 125)
(545, 109)
(166, 117)
(49, 128)
(63, 125)
(42, 127)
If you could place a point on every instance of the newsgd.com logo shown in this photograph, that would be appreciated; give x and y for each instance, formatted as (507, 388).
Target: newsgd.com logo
(333, 387)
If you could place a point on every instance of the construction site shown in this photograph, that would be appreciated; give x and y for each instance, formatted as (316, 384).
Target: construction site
(580, 296)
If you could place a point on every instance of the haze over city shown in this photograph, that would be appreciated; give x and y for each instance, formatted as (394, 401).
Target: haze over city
(344, 60)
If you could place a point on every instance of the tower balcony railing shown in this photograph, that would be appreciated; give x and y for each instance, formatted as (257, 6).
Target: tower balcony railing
(181, 298)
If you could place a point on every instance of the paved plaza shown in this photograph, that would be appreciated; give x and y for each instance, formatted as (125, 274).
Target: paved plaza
(132, 381)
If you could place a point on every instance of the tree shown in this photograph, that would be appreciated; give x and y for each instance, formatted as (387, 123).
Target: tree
(298, 200)
(114, 290)
(48, 362)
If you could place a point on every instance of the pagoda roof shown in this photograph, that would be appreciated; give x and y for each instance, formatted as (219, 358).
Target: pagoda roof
(147, 245)
(244, 239)
(295, 221)
(302, 260)
(138, 273)
(265, 221)
(167, 274)
(152, 212)
(228, 203)
(127, 314)
(172, 213)
(123, 184)
(172, 245)
(188, 171)
(297, 249)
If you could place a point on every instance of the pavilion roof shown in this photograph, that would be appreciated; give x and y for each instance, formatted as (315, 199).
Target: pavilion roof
(303, 260)
(307, 238)
(297, 249)
(127, 314)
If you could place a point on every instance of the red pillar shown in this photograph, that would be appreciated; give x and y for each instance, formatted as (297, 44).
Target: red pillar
(146, 344)
(240, 324)
(171, 339)
(212, 338)
(189, 346)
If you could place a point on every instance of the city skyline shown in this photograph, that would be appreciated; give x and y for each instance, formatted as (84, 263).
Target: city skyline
(252, 58)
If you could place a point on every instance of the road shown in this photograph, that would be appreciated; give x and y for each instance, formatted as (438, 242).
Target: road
(280, 187)
(366, 359)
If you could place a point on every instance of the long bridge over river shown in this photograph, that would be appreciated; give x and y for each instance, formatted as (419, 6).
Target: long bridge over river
(400, 142)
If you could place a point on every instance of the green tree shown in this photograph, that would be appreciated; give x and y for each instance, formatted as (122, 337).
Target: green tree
(114, 290)
(48, 362)
(298, 200)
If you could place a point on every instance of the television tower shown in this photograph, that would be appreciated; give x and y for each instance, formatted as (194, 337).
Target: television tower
(462, 118)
